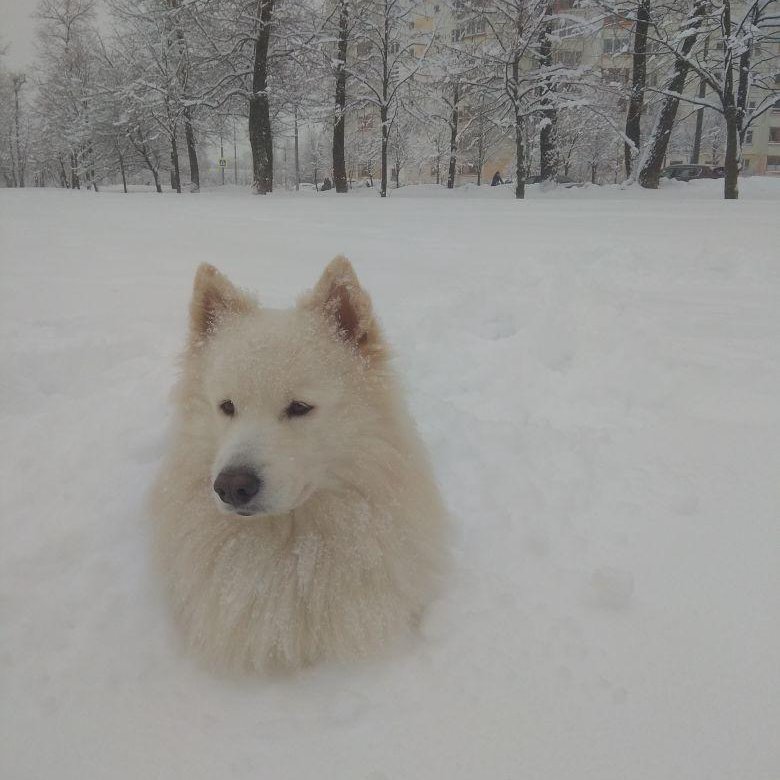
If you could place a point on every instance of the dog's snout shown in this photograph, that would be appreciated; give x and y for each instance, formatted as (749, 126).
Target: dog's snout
(237, 487)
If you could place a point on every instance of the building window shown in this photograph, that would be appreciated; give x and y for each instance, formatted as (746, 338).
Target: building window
(363, 48)
(749, 137)
(614, 45)
(774, 135)
(395, 47)
(475, 27)
(613, 75)
(773, 164)
(568, 58)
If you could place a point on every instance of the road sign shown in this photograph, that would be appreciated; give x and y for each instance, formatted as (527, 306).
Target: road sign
(222, 163)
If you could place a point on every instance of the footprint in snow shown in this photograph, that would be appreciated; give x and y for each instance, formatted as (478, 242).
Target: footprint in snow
(611, 588)
(502, 326)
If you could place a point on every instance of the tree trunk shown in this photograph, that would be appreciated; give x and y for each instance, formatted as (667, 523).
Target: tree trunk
(696, 151)
(260, 134)
(730, 184)
(143, 150)
(90, 154)
(175, 174)
(733, 108)
(75, 183)
(453, 138)
(383, 182)
(519, 129)
(192, 152)
(13, 161)
(189, 133)
(638, 84)
(63, 174)
(650, 173)
(121, 158)
(547, 163)
(480, 147)
(383, 109)
(18, 81)
(297, 156)
(520, 151)
(547, 152)
(339, 157)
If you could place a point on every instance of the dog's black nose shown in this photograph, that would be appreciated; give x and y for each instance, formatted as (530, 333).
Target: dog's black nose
(237, 487)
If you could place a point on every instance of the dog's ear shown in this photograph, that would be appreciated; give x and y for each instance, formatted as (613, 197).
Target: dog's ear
(213, 297)
(345, 304)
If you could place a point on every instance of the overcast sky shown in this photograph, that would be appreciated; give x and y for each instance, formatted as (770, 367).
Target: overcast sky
(17, 30)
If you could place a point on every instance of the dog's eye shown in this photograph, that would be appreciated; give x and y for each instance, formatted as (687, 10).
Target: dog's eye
(298, 409)
(226, 407)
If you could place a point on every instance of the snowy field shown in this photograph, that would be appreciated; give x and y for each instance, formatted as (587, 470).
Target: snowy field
(597, 375)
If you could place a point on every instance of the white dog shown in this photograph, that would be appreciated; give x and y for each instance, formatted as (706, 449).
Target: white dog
(297, 518)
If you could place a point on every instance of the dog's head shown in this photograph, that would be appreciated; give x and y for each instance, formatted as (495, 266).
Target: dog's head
(283, 398)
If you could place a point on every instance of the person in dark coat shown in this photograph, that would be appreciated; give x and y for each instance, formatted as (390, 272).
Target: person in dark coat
(496, 179)
(326, 185)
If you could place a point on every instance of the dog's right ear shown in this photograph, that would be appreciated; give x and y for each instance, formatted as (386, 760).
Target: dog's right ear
(213, 298)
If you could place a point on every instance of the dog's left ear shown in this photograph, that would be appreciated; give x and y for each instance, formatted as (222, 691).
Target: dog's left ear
(340, 298)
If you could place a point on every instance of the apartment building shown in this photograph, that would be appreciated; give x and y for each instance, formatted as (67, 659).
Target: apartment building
(761, 151)
(583, 38)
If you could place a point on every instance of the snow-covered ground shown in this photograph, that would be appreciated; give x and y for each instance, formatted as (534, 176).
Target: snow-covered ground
(597, 374)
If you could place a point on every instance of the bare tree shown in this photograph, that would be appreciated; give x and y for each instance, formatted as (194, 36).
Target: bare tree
(389, 53)
(732, 52)
(67, 85)
(344, 30)
(638, 83)
(18, 80)
(515, 70)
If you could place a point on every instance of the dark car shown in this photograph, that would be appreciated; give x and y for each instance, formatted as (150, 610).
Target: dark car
(688, 172)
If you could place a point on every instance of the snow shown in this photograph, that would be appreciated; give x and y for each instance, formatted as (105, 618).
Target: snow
(596, 372)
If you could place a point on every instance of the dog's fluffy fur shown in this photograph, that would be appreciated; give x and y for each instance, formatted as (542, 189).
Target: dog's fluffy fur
(348, 541)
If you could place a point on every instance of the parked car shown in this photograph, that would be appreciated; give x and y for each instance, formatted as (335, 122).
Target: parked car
(688, 172)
